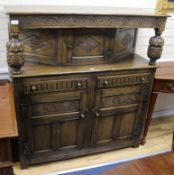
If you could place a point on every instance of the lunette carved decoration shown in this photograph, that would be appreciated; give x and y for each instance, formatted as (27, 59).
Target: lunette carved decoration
(15, 48)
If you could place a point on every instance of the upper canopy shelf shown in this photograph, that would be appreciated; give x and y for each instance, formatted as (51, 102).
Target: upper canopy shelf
(32, 17)
(85, 10)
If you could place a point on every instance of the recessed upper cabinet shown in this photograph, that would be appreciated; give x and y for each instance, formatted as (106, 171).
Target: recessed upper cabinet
(77, 46)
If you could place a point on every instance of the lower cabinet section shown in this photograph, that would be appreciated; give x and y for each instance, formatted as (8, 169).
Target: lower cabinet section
(63, 116)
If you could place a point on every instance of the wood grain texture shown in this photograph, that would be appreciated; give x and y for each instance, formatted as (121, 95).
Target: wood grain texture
(155, 165)
(8, 124)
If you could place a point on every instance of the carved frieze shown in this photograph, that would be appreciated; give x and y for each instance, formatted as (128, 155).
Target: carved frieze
(91, 21)
(120, 100)
(55, 85)
(55, 107)
(123, 80)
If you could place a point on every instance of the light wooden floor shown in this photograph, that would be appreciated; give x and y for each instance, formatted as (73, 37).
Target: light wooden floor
(159, 139)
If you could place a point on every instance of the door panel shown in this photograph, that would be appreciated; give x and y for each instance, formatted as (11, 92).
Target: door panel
(57, 122)
(116, 112)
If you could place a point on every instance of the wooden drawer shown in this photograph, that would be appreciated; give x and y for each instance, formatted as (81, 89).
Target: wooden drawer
(122, 80)
(165, 86)
(33, 87)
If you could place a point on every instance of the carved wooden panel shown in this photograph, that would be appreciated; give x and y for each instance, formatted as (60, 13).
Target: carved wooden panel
(118, 115)
(55, 85)
(120, 100)
(39, 45)
(90, 21)
(55, 107)
(124, 43)
(88, 43)
(122, 80)
(85, 46)
(77, 46)
(56, 122)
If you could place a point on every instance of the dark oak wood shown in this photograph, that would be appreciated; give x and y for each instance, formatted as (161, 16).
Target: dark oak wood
(82, 90)
(161, 164)
(68, 114)
(40, 37)
(164, 82)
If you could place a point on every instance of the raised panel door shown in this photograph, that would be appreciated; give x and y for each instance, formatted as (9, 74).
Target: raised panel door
(55, 125)
(118, 116)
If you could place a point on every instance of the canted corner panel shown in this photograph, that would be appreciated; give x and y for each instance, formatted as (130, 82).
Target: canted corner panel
(122, 80)
(39, 45)
(55, 85)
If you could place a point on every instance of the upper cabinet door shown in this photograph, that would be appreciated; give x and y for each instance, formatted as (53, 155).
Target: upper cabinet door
(119, 110)
(85, 46)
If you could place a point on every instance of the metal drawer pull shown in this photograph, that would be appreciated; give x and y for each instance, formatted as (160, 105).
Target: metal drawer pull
(79, 85)
(142, 79)
(82, 116)
(33, 87)
(171, 86)
(97, 114)
(106, 83)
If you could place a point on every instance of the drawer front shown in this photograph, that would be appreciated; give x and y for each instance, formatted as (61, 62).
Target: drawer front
(165, 86)
(122, 80)
(55, 85)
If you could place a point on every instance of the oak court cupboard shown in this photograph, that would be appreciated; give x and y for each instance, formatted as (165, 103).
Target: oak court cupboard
(82, 89)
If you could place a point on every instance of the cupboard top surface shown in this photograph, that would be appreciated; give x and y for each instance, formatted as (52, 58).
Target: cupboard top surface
(88, 10)
(131, 62)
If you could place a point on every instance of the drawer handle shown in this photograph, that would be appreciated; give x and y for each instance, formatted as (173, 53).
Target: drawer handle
(79, 85)
(142, 79)
(106, 83)
(82, 116)
(33, 88)
(171, 86)
(97, 114)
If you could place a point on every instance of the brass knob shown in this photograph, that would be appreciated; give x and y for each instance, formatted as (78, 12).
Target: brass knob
(106, 83)
(82, 116)
(79, 85)
(142, 79)
(33, 88)
(97, 114)
(171, 86)
(87, 110)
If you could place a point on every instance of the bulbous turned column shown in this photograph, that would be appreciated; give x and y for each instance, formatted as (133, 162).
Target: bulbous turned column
(15, 54)
(155, 47)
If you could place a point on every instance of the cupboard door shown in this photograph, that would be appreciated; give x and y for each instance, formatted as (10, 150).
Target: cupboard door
(56, 124)
(85, 46)
(118, 116)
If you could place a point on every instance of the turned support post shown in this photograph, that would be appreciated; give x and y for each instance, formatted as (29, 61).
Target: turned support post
(155, 47)
(15, 54)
